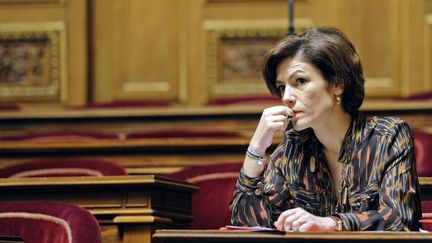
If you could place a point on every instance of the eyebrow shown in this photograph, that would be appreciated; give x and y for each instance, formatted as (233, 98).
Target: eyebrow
(301, 71)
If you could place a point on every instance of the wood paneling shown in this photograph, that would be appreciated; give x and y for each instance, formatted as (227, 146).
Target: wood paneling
(72, 61)
(136, 49)
(181, 51)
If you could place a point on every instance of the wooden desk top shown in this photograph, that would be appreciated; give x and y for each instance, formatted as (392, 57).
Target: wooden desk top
(178, 236)
(91, 181)
(116, 199)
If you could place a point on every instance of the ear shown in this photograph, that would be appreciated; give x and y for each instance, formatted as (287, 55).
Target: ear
(338, 89)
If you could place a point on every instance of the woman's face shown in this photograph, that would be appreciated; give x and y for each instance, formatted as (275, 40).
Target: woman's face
(306, 92)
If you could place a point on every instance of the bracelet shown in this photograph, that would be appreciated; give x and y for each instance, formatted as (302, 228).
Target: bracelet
(260, 158)
(338, 223)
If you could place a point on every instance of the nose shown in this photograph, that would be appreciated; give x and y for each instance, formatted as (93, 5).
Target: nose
(288, 97)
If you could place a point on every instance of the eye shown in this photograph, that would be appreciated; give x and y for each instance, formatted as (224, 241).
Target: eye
(281, 89)
(301, 81)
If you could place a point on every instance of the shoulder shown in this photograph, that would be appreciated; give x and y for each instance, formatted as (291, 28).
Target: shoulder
(392, 127)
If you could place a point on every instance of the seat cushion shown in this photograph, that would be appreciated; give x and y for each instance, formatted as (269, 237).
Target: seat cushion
(423, 150)
(48, 222)
(210, 205)
(62, 167)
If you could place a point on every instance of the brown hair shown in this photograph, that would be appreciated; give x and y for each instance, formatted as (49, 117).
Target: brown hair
(329, 50)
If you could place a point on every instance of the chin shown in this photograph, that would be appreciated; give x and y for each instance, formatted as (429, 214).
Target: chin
(299, 126)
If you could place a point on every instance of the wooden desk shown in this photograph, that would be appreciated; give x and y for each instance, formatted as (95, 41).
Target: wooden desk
(204, 236)
(128, 208)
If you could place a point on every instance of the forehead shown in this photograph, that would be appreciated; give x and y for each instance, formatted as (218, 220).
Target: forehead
(290, 66)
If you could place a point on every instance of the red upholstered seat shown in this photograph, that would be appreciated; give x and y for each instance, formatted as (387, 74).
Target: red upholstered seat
(210, 205)
(48, 222)
(63, 136)
(426, 222)
(177, 133)
(423, 150)
(418, 96)
(63, 167)
(9, 107)
(125, 104)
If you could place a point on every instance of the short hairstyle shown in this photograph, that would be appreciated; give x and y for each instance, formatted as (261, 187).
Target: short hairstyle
(329, 50)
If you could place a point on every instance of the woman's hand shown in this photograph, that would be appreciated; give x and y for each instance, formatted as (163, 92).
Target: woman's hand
(273, 119)
(298, 219)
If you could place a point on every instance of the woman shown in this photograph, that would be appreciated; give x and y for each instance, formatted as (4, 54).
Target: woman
(335, 169)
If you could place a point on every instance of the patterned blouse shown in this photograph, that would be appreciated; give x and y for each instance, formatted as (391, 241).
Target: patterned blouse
(379, 185)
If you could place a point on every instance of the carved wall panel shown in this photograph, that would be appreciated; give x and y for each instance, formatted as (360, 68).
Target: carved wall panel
(32, 61)
(29, 1)
(236, 52)
(427, 58)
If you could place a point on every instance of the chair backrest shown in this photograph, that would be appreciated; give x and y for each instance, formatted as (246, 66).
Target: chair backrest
(62, 167)
(210, 205)
(48, 222)
(423, 150)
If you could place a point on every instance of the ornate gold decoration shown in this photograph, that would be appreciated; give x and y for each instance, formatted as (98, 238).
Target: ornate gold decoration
(428, 52)
(236, 50)
(32, 61)
(29, 1)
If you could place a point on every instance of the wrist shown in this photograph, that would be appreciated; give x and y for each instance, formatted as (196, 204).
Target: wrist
(337, 224)
(257, 148)
(255, 155)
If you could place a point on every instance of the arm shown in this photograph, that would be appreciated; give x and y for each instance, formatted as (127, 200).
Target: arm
(252, 201)
(391, 200)
(258, 201)
(395, 180)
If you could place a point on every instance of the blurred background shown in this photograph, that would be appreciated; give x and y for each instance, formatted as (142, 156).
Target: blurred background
(57, 54)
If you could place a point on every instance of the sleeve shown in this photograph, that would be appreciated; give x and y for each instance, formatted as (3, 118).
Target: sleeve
(259, 201)
(397, 186)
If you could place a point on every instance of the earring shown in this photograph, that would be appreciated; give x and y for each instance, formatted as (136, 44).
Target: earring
(338, 99)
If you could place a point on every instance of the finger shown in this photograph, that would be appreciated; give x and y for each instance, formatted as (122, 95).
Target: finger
(287, 226)
(279, 118)
(290, 214)
(279, 224)
(294, 219)
(296, 224)
(308, 226)
(278, 110)
(278, 126)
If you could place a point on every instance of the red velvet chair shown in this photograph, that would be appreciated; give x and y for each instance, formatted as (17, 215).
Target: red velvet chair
(417, 96)
(426, 221)
(122, 104)
(62, 136)
(423, 150)
(48, 222)
(210, 205)
(9, 107)
(62, 167)
(177, 133)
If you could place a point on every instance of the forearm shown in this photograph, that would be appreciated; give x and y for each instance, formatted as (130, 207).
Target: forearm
(252, 168)
(248, 206)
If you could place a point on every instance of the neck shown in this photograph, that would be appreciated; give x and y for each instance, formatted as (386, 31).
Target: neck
(332, 132)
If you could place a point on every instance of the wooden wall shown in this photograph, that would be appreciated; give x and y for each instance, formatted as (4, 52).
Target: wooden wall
(57, 31)
(189, 52)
